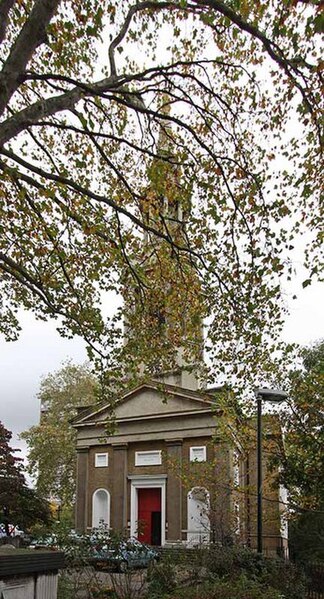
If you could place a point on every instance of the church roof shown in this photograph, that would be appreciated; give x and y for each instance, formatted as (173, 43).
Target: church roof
(162, 400)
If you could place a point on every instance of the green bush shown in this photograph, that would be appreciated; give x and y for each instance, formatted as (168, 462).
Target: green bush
(229, 562)
(241, 588)
(224, 561)
(286, 577)
(161, 580)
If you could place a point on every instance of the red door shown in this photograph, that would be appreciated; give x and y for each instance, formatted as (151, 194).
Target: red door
(149, 516)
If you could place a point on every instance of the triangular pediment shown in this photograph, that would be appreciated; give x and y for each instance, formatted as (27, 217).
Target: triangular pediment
(147, 401)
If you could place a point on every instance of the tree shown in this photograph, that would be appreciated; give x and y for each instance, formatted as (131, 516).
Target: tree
(51, 443)
(306, 537)
(79, 134)
(19, 505)
(303, 457)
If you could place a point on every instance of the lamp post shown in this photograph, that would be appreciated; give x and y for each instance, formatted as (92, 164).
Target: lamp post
(275, 396)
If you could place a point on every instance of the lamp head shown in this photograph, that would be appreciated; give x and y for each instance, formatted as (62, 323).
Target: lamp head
(274, 395)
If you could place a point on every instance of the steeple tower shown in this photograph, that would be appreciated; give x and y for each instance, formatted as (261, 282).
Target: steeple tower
(167, 201)
(163, 324)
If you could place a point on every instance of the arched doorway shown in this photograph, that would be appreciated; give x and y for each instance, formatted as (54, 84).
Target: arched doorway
(101, 509)
(198, 507)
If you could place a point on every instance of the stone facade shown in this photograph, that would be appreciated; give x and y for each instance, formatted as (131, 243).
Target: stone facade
(163, 476)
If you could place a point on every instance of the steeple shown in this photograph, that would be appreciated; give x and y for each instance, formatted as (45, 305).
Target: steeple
(163, 323)
(166, 202)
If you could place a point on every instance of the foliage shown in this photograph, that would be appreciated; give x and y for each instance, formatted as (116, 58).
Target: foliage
(227, 562)
(52, 456)
(306, 537)
(80, 577)
(234, 571)
(302, 457)
(85, 92)
(240, 588)
(104, 593)
(82, 581)
(161, 579)
(19, 505)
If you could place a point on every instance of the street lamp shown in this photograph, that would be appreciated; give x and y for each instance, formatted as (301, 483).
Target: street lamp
(275, 396)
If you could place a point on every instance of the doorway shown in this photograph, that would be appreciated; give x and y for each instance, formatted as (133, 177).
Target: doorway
(149, 515)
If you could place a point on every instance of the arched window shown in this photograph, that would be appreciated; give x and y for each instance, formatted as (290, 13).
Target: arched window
(198, 509)
(101, 509)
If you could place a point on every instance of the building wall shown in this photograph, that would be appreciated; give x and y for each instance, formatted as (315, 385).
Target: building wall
(175, 455)
(174, 437)
(272, 509)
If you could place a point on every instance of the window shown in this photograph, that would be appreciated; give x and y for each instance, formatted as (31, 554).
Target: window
(148, 458)
(198, 454)
(101, 508)
(101, 460)
(198, 510)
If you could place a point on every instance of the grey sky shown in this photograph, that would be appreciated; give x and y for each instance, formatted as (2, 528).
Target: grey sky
(39, 350)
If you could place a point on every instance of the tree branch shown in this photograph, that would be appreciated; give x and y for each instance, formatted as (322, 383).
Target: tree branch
(5, 6)
(22, 276)
(270, 46)
(90, 194)
(32, 34)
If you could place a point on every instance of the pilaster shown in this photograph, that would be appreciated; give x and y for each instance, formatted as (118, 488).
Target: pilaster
(119, 504)
(81, 507)
(174, 490)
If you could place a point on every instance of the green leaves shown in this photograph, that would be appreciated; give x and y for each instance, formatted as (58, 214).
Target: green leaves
(51, 443)
(304, 426)
(89, 195)
(306, 283)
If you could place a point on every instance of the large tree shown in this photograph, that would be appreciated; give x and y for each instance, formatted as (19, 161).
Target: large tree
(301, 456)
(302, 459)
(85, 92)
(51, 443)
(19, 505)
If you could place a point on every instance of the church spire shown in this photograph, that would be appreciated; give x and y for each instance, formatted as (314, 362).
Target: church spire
(164, 324)
(166, 201)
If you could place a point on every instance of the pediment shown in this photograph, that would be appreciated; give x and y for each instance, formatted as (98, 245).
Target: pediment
(148, 401)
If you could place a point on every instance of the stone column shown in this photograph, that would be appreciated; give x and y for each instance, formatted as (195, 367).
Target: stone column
(174, 491)
(81, 507)
(119, 496)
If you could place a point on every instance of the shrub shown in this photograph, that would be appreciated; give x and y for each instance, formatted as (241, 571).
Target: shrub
(224, 561)
(161, 580)
(227, 562)
(241, 588)
(285, 576)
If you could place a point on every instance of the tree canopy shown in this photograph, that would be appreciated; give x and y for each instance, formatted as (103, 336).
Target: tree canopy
(51, 443)
(87, 89)
(19, 505)
(302, 459)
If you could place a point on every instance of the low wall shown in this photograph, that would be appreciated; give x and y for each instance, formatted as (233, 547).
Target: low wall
(29, 574)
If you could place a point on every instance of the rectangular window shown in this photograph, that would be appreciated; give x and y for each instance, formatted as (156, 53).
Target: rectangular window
(101, 460)
(198, 454)
(148, 458)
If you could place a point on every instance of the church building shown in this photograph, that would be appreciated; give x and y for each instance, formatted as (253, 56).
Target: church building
(165, 475)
